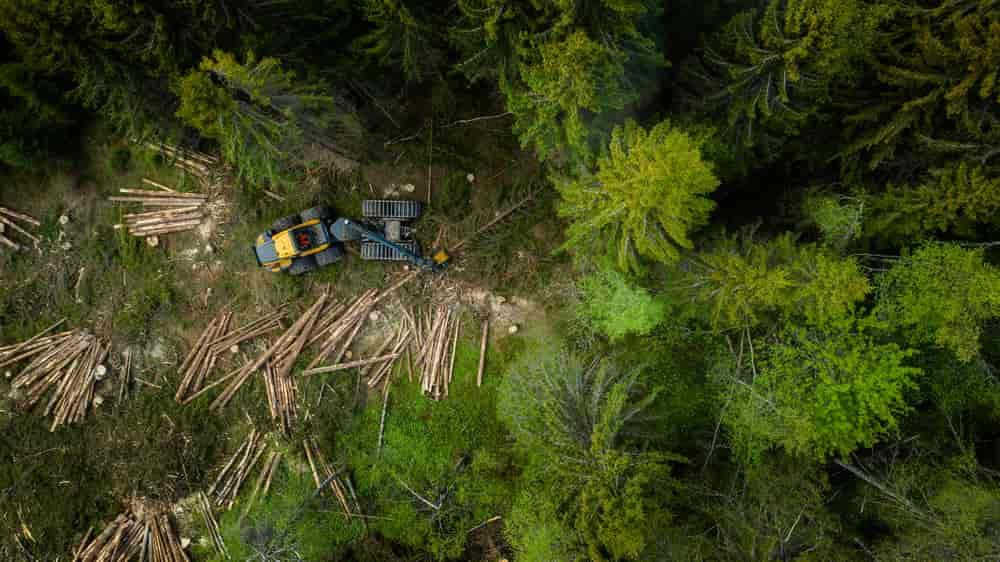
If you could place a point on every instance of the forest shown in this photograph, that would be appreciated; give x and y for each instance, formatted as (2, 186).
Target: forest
(742, 281)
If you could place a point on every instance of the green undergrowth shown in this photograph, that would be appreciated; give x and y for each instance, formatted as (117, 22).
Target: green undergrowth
(290, 519)
(451, 453)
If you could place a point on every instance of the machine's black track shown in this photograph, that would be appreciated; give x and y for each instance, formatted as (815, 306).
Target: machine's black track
(379, 252)
(331, 255)
(303, 265)
(284, 223)
(321, 212)
(390, 209)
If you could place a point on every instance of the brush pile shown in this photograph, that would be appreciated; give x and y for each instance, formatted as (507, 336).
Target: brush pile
(216, 340)
(69, 362)
(436, 342)
(172, 211)
(129, 537)
(203, 166)
(227, 484)
(328, 481)
(9, 220)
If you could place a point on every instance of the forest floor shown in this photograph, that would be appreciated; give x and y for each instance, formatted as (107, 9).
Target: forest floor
(156, 301)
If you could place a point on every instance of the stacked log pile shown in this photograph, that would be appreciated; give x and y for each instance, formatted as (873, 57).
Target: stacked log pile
(69, 362)
(280, 356)
(170, 210)
(234, 473)
(216, 340)
(9, 220)
(436, 342)
(129, 537)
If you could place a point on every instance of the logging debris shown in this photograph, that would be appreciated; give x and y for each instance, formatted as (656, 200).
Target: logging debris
(212, 525)
(151, 538)
(70, 362)
(234, 473)
(9, 220)
(328, 481)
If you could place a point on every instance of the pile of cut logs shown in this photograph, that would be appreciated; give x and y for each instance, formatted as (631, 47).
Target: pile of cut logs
(174, 211)
(436, 342)
(216, 340)
(130, 537)
(7, 220)
(69, 362)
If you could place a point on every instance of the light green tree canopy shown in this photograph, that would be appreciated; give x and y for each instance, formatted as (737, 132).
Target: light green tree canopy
(941, 294)
(646, 197)
(616, 307)
(744, 282)
(822, 391)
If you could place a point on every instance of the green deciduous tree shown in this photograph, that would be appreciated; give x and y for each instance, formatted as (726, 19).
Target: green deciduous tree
(645, 198)
(941, 295)
(840, 219)
(615, 307)
(822, 391)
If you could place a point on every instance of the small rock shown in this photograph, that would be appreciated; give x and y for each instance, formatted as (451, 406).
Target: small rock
(8, 374)
(408, 187)
(153, 241)
(501, 299)
(185, 543)
(64, 220)
(234, 349)
(470, 177)
(373, 316)
(66, 246)
(100, 371)
(209, 249)
(98, 400)
(513, 329)
(348, 354)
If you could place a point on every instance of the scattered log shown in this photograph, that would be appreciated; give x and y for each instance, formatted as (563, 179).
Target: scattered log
(482, 352)
(325, 477)
(7, 222)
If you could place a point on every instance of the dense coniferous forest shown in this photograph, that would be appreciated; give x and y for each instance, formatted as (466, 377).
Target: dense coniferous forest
(760, 263)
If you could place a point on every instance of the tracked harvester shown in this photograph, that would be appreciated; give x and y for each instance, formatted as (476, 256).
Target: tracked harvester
(315, 238)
